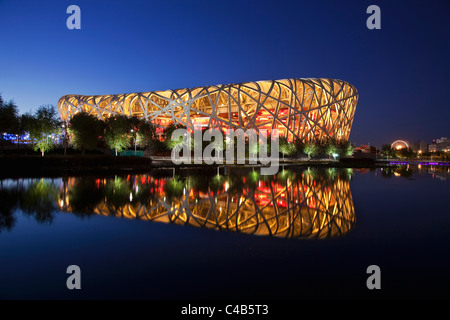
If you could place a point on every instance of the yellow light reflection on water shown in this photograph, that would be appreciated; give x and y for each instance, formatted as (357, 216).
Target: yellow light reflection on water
(298, 207)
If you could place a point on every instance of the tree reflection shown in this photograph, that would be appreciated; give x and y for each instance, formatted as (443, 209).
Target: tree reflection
(253, 177)
(39, 200)
(284, 175)
(198, 183)
(118, 192)
(9, 201)
(145, 193)
(216, 183)
(236, 184)
(174, 188)
(84, 196)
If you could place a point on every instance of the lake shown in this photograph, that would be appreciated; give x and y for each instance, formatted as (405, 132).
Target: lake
(228, 233)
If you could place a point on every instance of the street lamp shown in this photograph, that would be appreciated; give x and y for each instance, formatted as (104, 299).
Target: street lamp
(64, 126)
(134, 137)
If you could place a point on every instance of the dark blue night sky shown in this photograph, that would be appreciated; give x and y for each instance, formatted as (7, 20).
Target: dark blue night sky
(400, 71)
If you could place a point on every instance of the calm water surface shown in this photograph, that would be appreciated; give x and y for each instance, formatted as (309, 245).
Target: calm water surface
(306, 233)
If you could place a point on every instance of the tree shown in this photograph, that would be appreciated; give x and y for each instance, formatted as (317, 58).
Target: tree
(134, 124)
(168, 134)
(146, 134)
(331, 147)
(405, 153)
(86, 131)
(387, 151)
(43, 127)
(9, 119)
(23, 122)
(143, 132)
(299, 146)
(345, 148)
(286, 147)
(26, 122)
(117, 133)
(311, 149)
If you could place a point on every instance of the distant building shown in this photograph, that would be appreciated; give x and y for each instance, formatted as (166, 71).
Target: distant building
(423, 146)
(365, 151)
(441, 140)
(363, 148)
(414, 147)
(419, 147)
(442, 144)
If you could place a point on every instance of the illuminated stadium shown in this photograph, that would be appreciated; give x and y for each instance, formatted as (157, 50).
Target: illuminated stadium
(308, 109)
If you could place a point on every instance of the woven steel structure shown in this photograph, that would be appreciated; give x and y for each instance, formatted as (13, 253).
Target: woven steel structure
(309, 109)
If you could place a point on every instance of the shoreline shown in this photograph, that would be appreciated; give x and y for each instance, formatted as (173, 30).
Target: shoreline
(58, 165)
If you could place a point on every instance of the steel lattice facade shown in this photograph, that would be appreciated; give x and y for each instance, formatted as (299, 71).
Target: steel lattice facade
(309, 109)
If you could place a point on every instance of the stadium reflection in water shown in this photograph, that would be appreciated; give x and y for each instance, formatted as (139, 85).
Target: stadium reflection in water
(306, 204)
